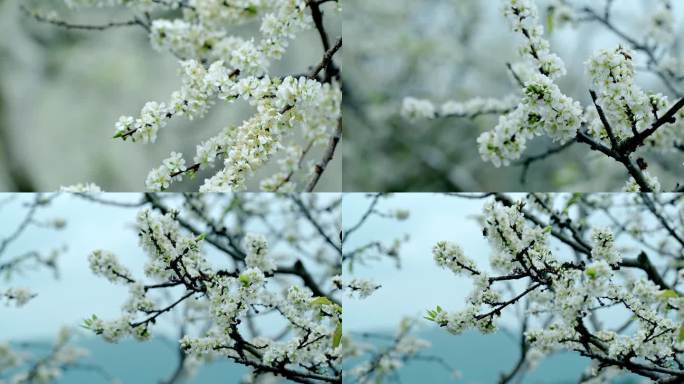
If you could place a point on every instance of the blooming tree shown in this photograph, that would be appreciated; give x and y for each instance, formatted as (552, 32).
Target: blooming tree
(622, 122)
(249, 278)
(295, 115)
(599, 275)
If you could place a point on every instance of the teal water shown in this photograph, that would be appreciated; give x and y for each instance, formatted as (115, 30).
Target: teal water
(479, 358)
(145, 363)
(483, 358)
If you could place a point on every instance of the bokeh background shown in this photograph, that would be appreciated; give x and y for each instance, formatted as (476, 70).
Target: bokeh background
(455, 50)
(62, 91)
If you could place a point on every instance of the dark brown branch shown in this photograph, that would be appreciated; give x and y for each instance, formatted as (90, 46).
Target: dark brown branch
(327, 157)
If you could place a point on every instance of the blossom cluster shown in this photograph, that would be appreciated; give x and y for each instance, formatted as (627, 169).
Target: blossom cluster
(293, 114)
(106, 264)
(626, 106)
(651, 181)
(257, 253)
(451, 256)
(628, 109)
(623, 119)
(523, 18)
(543, 109)
(604, 246)
(18, 296)
(572, 291)
(180, 274)
(362, 288)
(283, 105)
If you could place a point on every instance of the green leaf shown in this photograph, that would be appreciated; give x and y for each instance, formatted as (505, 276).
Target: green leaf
(337, 335)
(591, 272)
(350, 266)
(432, 313)
(88, 323)
(201, 237)
(118, 135)
(252, 10)
(571, 201)
(321, 300)
(143, 332)
(681, 332)
(548, 229)
(549, 19)
(244, 279)
(667, 294)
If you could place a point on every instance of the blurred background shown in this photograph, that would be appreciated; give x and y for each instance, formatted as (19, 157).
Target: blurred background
(62, 91)
(456, 50)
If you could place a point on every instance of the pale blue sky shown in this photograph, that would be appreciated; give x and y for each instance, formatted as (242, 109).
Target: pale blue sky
(78, 293)
(419, 284)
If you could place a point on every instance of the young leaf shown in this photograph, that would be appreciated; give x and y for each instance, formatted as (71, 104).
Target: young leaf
(667, 294)
(337, 336)
(549, 19)
(591, 272)
(321, 300)
(244, 279)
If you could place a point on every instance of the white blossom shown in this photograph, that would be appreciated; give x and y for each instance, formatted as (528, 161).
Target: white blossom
(18, 296)
(361, 287)
(220, 65)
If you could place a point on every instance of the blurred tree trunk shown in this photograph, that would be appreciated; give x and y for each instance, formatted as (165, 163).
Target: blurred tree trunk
(17, 175)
